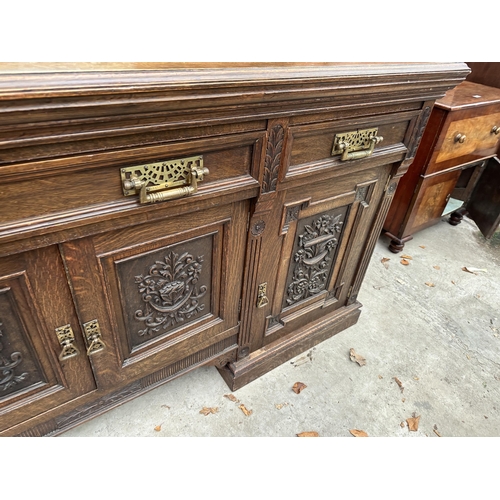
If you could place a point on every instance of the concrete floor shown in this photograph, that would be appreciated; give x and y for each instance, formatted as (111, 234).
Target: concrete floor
(441, 342)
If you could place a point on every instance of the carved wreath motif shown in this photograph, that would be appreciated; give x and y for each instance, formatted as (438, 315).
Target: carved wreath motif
(273, 158)
(313, 257)
(170, 292)
(9, 379)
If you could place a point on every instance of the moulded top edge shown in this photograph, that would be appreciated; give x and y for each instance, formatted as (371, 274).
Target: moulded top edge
(32, 78)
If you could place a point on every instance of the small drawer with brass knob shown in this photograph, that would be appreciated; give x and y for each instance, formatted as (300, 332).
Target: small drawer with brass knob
(468, 139)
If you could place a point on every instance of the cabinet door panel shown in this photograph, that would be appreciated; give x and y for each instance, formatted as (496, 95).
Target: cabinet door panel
(166, 290)
(167, 299)
(317, 239)
(318, 263)
(34, 301)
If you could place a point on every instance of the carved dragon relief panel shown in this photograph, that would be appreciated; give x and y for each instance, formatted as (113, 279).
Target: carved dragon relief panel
(18, 366)
(166, 289)
(313, 255)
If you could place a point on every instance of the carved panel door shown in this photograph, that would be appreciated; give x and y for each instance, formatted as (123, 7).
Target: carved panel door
(43, 362)
(163, 296)
(321, 263)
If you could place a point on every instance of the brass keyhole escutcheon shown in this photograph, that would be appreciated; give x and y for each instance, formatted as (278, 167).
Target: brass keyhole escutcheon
(66, 337)
(92, 332)
(262, 299)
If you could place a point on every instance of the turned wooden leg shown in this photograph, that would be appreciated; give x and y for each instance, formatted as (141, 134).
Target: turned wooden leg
(457, 216)
(397, 244)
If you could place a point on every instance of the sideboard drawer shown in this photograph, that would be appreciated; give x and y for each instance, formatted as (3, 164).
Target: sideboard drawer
(94, 186)
(319, 142)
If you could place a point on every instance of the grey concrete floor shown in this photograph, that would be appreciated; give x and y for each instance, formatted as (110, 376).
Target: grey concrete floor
(429, 324)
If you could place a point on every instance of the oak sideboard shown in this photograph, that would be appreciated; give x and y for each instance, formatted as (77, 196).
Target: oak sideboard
(159, 217)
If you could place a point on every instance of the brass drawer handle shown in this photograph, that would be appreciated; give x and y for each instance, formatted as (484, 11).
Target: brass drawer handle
(66, 337)
(460, 138)
(92, 334)
(495, 130)
(356, 144)
(163, 181)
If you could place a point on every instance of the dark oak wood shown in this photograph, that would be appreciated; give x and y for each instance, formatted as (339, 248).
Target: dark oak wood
(264, 261)
(444, 166)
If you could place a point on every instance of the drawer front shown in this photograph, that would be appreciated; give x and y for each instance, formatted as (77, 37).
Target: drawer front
(319, 143)
(88, 189)
(469, 136)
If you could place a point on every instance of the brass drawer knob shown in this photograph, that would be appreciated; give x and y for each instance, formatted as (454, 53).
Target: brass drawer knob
(495, 130)
(460, 138)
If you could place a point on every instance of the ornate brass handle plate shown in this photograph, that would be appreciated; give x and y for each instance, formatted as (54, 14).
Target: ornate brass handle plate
(262, 299)
(66, 337)
(93, 339)
(356, 144)
(162, 181)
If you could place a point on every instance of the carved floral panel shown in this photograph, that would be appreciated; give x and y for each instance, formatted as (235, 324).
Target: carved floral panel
(313, 256)
(165, 289)
(19, 368)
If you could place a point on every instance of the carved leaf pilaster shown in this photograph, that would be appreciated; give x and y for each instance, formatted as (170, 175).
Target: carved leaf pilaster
(273, 158)
(421, 129)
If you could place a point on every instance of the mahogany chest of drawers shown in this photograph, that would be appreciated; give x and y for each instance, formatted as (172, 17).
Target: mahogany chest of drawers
(156, 219)
(456, 160)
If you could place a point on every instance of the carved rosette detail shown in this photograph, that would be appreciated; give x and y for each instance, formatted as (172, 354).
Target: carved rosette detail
(8, 377)
(273, 158)
(313, 257)
(170, 292)
(258, 228)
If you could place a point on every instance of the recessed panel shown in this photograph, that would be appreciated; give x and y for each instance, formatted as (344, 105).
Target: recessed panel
(165, 290)
(316, 244)
(18, 366)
